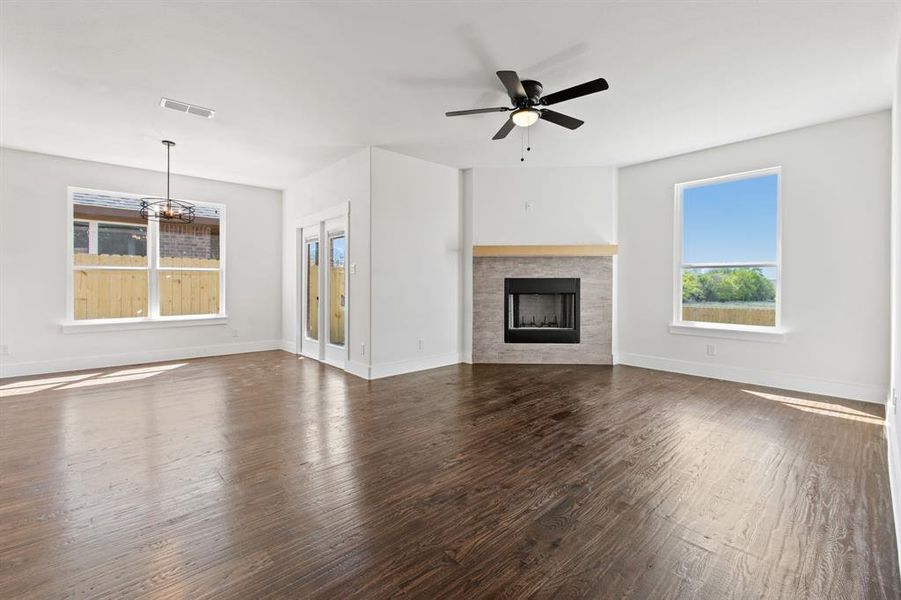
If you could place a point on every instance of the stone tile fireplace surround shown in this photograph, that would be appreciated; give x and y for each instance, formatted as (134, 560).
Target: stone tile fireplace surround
(596, 311)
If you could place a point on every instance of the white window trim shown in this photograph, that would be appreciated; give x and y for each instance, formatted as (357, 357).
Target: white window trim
(726, 330)
(154, 319)
(753, 333)
(98, 325)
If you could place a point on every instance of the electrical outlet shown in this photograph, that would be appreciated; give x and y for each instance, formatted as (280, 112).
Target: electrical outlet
(234, 333)
(528, 205)
(353, 268)
(4, 350)
(711, 349)
(420, 344)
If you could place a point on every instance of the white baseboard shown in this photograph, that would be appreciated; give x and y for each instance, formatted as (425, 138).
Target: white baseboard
(353, 367)
(412, 365)
(100, 361)
(894, 469)
(365, 371)
(357, 368)
(799, 383)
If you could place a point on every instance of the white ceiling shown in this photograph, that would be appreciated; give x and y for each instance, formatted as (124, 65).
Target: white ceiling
(298, 85)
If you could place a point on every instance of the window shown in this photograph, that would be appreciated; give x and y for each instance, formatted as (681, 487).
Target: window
(82, 237)
(124, 267)
(727, 252)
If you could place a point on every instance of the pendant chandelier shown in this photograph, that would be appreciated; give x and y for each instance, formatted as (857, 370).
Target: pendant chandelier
(167, 209)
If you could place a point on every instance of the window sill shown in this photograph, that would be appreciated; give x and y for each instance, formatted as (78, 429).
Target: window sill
(749, 333)
(97, 325)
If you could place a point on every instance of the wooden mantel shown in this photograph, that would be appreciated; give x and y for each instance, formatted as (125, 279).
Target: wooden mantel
(537, 250)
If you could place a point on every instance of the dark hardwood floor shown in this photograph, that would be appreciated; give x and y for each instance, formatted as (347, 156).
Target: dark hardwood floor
(263, 475)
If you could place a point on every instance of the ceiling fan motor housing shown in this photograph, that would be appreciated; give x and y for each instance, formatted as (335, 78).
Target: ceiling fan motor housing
(533, 91)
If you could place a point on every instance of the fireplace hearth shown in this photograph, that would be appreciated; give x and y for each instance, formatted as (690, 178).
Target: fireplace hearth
(541, 310)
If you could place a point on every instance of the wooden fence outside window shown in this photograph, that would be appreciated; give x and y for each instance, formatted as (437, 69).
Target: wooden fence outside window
(110, 293)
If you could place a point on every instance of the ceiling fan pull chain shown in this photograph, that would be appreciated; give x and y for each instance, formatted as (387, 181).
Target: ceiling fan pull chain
(528, 139)
(522, 157)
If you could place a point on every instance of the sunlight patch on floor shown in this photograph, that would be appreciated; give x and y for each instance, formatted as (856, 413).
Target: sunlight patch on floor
(47, 381)
(66, 382)
(153, 369)
(107, 379)
(819, 408)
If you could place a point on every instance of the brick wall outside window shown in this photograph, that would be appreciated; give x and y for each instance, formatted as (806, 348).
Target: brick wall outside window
(189, 240)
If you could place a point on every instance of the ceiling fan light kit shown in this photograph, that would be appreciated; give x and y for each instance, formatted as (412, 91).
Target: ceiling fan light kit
(525, 96)
(525, 117)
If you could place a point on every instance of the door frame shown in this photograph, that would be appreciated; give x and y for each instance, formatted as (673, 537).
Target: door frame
(312, 221)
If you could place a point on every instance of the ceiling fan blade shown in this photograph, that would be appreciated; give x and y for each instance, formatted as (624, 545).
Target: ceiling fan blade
(475, 111)
(514, 86)
(577, 91)
(561, 119)
(503, 131)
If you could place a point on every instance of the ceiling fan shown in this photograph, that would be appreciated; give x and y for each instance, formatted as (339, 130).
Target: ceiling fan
(528, 102)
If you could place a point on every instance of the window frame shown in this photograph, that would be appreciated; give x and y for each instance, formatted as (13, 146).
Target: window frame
(154, 271)
(756, 332)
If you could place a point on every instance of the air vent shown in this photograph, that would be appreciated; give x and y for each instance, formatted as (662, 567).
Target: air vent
(187, 108)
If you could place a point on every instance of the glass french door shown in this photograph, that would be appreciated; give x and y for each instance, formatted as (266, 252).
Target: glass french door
(335, 286)
(311, 285)
(323, 291)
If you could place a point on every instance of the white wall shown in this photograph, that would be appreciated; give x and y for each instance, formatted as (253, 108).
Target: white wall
(466, 243)
(835, 202)
(893, 433)
(346, 181)
(569, 205)
(34, 269)
(416, 237)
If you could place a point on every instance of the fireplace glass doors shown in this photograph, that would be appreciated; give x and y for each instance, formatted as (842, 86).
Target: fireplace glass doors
(541, 310)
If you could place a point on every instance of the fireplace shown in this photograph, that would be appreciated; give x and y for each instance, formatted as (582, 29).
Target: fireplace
(541, 310)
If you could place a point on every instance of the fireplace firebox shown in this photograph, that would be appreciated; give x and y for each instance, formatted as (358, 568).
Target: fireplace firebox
(541, 310)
